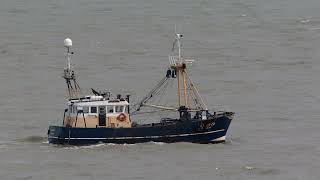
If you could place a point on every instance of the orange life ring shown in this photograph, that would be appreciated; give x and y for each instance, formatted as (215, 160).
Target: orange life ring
(121, 117)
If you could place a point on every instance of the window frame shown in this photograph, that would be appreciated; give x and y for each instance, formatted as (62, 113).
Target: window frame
(121, 108)
(93, 107)
(110, 107)
(84, 108)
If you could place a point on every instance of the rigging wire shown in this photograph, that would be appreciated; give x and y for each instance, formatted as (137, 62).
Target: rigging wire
(170, 87)
(165, 89)
(151, 94)
(157, 93)
(158, 96)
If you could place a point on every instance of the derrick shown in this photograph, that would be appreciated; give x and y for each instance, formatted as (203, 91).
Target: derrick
(187, 93)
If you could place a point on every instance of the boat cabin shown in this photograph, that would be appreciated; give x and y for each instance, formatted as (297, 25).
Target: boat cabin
(96, 111)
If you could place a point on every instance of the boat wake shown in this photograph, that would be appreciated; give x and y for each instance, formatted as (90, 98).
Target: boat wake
(33, 139)
(104, 145)
(94, 146)
(157, 143)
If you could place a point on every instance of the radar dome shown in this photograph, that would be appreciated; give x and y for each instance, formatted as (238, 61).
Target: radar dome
(67, 43)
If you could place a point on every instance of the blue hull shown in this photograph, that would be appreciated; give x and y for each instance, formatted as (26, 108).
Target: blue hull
(195, 131)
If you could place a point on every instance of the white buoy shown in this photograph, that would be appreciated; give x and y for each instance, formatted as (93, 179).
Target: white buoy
(67, 43)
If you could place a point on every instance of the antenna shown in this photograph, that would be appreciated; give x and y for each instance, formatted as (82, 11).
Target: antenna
(69, 76)
(177, 39)
(68, 45)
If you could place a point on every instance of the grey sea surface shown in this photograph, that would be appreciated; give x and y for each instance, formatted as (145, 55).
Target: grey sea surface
(260, 59)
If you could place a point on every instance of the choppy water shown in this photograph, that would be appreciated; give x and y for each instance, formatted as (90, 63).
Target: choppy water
(258, 58)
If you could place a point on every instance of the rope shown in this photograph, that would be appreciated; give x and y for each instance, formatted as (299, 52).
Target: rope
(154, 91)
(169, 86)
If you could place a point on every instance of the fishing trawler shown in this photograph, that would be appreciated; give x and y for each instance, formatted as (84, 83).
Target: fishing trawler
(102, 118)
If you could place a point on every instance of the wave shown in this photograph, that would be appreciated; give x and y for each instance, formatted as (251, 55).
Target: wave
(33, 139)
(100, 145)
(158, 143)
(93, 146)
(262, 171)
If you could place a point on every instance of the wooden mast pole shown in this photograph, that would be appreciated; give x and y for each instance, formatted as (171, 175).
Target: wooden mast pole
(179, 91)
(185, 88)
(179, 66)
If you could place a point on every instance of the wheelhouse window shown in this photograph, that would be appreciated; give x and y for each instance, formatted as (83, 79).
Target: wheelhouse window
(85, 109)
(110, 109)
(119, 109)
(93, 109)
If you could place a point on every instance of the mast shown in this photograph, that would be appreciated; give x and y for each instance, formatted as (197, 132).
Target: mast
(179, 64)
(68, 73)
(179, 91)
(188, 95)
(185, 89)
